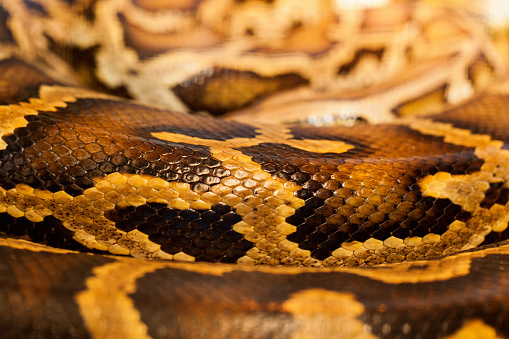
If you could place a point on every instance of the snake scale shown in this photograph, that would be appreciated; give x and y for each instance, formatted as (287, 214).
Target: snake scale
(359, 146)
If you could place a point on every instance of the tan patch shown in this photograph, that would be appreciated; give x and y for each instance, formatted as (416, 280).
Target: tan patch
(475, 329)
(105, 305)
(325, 314)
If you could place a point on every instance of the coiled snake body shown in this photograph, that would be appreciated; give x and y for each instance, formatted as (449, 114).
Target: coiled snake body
(350, 136)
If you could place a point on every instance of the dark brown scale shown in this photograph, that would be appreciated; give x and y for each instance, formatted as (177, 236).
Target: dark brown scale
(496, 194)
(204, 234)
(50, 231)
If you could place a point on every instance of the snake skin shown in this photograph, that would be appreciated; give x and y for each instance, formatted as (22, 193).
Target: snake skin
(364, 150)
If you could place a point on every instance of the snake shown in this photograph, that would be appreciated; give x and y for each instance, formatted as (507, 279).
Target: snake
(254, 169)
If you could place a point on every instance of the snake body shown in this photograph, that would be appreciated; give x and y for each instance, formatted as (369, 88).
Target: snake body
(363, 151)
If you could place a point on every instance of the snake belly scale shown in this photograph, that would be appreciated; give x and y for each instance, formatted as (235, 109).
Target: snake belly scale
(355, 182)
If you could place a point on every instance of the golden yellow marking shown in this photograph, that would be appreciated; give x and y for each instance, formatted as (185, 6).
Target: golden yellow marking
(15, 212)
(342, 253)
(105, 305)
(245, 260)
(412, 241)
(149, 246)
(266, 133)
(456, 225)
(351, 246)
(137, 236)
(499, 87)
(431, 238)
(181, 256)
(51, 98)
(59, 94)
(373, 244)
(475, 329)
(468, 190)
(300, 254)
(456, 136)
(118, 250)
(393, 242)
(325, 314)
(95, 245)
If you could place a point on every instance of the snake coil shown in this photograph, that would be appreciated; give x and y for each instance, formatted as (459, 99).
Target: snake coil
(360, 147)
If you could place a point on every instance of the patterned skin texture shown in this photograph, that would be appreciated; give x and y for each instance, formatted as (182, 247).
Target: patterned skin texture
(318, 186)
(119, 180)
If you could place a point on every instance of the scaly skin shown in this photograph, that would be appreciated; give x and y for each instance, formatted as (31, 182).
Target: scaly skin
(417, 190)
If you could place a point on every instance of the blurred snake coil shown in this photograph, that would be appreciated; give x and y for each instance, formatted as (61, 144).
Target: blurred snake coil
(254, 169)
